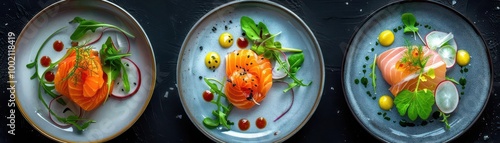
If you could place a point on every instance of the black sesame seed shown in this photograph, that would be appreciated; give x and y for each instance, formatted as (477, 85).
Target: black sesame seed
(201, 47)
(208, 62)
(225, 27)
(248, 56)
(122, 89)
(216, 61)
(243, 34)
(135, 83)
(200, 77)
(230, 21)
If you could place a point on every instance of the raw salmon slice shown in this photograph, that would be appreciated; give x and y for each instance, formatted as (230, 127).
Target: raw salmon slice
(82, 83)
(249, 78)
(406, 79)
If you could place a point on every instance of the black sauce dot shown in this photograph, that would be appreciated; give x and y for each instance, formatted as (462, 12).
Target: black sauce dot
(230, 21)
(117, 83)
(201, 48)
(208, 62)
(243, 34)
(127, 64)
(122, 89)
(225, 27)
(200, 77)
(435, 115)
(135, 83)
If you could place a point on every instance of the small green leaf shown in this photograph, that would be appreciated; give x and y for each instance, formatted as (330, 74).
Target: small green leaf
(250, 28)
(210, 123)
(409, 21)
(295, 62)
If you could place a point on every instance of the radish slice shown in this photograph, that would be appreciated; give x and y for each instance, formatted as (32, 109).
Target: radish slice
(448, 54)
(63, 110)
(122, 43)
(436, 39)
(279, 73)
(134, 78)
(446, 96)
(289, 107)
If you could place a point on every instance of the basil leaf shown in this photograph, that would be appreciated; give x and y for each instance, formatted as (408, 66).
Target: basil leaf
(251, 30)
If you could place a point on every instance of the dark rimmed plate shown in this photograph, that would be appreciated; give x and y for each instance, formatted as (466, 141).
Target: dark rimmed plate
(388, 125)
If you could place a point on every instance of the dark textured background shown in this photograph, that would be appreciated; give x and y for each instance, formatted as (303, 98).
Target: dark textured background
(332, 21)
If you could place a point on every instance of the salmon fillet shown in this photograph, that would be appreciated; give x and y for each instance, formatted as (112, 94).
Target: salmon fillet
(249, 78)
(407, 79)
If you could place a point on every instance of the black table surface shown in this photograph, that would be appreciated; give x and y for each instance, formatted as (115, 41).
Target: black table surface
(333, 22)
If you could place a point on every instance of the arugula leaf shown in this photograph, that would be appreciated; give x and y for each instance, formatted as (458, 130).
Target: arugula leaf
(222, 111)
(91, 25)
(112, 64)
(263, 44)
(416, 104)
(295, 61)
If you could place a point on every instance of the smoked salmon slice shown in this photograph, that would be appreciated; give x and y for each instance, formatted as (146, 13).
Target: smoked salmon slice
(249, 78)
(407, 79)
(81, 78)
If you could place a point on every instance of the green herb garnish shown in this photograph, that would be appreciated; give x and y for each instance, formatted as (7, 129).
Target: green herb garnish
(112, 64)
(295, 61)
(222, 111)
(263, 43)
(86, 25)
(409, 21)
(373, 75)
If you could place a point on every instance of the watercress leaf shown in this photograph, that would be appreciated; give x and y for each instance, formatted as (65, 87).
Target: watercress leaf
(210, 123)
(251, 30)
(264, 30)
(409, 21)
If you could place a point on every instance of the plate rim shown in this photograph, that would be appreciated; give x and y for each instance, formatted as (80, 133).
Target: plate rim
(403, 2)
(153, 81)
(280, 7)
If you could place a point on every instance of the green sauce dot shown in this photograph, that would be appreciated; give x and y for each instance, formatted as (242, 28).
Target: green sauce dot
(356, 81)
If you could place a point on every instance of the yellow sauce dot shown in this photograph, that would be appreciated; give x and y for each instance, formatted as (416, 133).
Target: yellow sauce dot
(226, 40)
(385, 102)
(463, 57)
(386, 38)
(212, 60)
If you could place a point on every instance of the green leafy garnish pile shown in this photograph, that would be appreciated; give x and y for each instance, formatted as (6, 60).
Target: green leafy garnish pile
(263, 43)
(112, 64)
(222, 111)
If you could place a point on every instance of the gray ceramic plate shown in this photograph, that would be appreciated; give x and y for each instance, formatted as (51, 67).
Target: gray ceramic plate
(113, 117)
(440, 18)
(191, 66)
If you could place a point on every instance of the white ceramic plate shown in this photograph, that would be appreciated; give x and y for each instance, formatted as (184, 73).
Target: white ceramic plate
(116, 115)
(295, 34)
